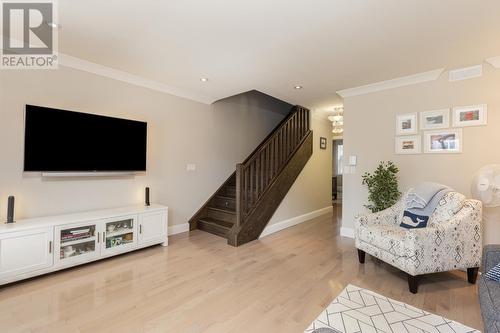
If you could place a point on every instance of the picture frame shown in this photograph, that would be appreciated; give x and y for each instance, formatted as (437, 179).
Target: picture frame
(406, 124)
(408, 145)
(446, 141)
(322, 143)
(435, 119)
(474, 115)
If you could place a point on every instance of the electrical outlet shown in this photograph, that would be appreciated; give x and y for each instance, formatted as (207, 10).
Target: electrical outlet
(191, 167)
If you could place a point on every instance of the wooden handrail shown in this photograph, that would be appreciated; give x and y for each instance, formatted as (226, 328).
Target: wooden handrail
(277, 127)
(257, 172)
(282, 125)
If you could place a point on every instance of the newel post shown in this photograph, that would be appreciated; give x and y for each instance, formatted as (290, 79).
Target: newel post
(239, 193)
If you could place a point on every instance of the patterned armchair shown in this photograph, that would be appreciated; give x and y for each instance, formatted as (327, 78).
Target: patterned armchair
(452, 240)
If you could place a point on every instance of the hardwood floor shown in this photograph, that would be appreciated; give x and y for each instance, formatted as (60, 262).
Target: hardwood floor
(200, 284)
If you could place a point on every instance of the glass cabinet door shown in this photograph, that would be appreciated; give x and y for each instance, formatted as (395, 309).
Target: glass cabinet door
(119, 234)
(75, 242)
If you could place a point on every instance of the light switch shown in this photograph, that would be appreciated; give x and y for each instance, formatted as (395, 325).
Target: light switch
(191, 167)
(353, 160)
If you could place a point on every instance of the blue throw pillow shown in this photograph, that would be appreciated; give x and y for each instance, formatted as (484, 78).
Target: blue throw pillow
(494, 273)
(411, 221)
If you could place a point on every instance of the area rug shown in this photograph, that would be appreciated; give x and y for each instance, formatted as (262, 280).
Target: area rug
(361, 310)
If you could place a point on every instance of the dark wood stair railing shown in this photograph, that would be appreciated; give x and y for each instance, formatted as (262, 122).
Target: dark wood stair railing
(241, 208)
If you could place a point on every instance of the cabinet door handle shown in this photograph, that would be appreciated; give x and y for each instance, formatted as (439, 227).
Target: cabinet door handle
(140, 228)
(98, 237)
(50, 246)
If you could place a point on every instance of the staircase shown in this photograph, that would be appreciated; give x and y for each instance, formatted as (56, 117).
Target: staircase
(241, 208)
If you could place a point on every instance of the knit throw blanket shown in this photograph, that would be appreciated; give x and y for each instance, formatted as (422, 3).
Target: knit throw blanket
(421, 202)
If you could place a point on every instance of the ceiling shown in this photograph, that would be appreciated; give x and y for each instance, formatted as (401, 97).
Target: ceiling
(273, 45)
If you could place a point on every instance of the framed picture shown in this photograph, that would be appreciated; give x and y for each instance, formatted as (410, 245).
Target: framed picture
(322, 143)
(406, 123)
(443, 141)
(475, 115)
(408, 144)
(435, 119)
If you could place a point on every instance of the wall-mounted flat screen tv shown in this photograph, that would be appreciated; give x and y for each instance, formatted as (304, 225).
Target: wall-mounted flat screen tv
(66, 141)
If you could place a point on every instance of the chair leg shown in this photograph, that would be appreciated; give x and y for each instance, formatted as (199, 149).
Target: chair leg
(413, 283)
(472, 274)
(361, 256)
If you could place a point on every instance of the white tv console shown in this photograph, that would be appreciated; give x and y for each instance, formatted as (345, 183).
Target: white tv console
(41, 245)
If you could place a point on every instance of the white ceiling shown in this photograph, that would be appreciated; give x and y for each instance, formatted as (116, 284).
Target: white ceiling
(273, 45)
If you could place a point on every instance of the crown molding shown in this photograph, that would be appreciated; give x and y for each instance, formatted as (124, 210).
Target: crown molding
(495, 62)
(115, 74)
(391, 84)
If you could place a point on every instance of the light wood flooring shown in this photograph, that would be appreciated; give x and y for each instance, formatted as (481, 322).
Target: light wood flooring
(200, 284)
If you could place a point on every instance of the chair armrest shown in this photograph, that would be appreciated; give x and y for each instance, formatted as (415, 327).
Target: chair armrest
(389, 216)
(467, 219)
(491, 257)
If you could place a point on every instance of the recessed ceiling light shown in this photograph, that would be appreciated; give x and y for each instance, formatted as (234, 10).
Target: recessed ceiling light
(298, 87)
(204, 79)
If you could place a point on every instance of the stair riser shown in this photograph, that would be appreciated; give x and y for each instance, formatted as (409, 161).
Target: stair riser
(215, 214)
(225, 203)
(213, 229)
(230, 191)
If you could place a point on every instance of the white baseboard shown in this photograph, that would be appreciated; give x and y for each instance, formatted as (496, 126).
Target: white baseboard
(178, 228)
(347, 232)
(271, 229)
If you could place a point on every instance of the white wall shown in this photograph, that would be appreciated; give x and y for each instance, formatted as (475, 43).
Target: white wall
(180, 131)
(370, 132)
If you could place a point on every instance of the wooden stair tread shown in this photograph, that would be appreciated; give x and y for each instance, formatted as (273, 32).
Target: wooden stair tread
(225, 197)
(213, 227)
(220, 209)
(218, 223)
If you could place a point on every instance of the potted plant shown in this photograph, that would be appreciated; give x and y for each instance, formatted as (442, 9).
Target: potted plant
(382, 186)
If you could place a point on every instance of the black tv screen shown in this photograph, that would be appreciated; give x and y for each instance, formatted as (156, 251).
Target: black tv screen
(66, 141)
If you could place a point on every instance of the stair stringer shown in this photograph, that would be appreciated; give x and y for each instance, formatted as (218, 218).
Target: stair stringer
(262, 213)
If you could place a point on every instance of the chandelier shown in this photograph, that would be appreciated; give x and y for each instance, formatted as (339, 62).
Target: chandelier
(337, 120)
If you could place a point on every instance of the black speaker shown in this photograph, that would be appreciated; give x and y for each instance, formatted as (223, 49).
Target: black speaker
(146, 197)
(10, 210)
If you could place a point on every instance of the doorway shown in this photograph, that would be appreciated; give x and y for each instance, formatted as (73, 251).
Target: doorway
(337, 163)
